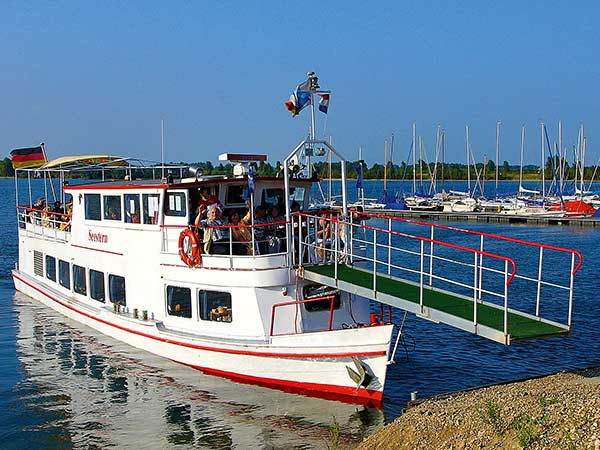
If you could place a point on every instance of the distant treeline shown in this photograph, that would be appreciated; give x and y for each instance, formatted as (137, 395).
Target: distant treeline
(449, 171)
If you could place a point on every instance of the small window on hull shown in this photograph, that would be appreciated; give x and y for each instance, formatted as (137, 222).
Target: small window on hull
(92, 206)
(215, 306)
(79, 284)
(175, 204)
(51, 268)
(317, 291)
(116, 289)
(64, 274)
(150, 208)
(112, 207)
(179, 301)
(97, 291)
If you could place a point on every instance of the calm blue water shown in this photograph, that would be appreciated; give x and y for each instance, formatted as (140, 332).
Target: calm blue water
(65, 386)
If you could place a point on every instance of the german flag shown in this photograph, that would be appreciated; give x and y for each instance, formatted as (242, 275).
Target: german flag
(27, 157)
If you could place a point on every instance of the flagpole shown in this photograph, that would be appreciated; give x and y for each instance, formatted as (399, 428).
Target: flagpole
(49, 174)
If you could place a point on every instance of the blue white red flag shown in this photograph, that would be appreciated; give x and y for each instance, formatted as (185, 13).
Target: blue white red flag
(324, 103)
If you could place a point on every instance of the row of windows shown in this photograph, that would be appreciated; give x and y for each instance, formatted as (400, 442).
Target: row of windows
(97, 288)
(125, 207)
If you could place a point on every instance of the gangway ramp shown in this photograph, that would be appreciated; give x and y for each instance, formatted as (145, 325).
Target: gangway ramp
(478, 293)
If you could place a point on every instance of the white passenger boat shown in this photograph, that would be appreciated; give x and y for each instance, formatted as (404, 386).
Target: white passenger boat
(127, 261)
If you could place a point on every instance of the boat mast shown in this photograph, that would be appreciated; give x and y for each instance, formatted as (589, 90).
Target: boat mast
(162, 148)
(385, 144)
(443, 158)
(497, 154)
(521, 162)
(421, 164)
(543, 166)
(414, 146)
(468, 162)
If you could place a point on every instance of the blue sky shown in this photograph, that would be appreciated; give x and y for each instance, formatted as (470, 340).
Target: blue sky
(98, 77)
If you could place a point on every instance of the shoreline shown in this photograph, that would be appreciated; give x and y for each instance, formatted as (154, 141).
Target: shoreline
(561, 410)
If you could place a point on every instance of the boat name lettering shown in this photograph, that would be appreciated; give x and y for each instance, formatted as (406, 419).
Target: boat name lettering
(97, 237)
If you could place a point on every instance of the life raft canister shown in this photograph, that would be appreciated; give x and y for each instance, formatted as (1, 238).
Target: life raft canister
(189, 248)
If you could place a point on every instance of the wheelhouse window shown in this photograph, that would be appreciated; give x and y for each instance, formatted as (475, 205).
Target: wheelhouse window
(150, 208)
(132, 208)
(97, 291)
(112, 207)
(64, 274)
(175, 204)
(116, 289)
(179, 301)
(79, 284)
(236, 194)
(50, 267)
(317, 291)
(215, 306)
(92, 206)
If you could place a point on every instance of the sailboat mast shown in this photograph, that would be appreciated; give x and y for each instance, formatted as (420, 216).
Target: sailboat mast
(385, 144)
(521, 162)
(497, 153)
(468, 162)
(543, 166)
(414, 146)
(443, 158)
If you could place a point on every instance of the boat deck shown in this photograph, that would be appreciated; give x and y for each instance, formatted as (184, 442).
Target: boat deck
(438, 305)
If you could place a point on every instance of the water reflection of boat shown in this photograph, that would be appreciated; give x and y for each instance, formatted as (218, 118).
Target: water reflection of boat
(79, 374)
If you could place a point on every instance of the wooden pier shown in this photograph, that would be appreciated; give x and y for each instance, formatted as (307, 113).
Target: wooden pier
(484, 217)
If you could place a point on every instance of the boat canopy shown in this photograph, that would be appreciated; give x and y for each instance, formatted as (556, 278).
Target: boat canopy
(84, 160)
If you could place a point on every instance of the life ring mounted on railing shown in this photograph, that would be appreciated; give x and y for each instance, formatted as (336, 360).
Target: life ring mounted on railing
(189, 247)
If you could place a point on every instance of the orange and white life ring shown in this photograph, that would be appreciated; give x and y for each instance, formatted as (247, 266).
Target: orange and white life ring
(189, 248)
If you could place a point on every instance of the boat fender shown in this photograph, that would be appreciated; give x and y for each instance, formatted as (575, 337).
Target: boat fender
(190, 250)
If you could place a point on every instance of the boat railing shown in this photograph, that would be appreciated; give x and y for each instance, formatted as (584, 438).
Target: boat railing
(47, 224)
(265, 246)
(297, 304)
(560, 281)
(428, 262)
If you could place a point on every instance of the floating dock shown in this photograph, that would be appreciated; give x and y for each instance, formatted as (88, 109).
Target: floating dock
(483, 217)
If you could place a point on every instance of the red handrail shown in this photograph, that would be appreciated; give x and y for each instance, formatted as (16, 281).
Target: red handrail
(298, 302)
(483, 233)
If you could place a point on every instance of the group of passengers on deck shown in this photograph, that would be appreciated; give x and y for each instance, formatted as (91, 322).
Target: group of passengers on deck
(56, 216)
(233, 234)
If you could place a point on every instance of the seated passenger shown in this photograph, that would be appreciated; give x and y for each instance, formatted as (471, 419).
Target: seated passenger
(216, 238)
(323, 235)
(242, 237)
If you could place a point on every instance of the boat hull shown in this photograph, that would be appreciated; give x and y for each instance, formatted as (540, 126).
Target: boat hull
(314, 364)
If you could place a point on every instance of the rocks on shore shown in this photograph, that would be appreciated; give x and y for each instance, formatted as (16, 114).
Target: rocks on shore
(560, 411)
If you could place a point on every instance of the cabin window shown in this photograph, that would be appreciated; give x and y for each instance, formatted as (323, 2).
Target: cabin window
(297, 195)
(179, 301)
(64, 274)
(116, 289)
(50, 267)
(92, 206)
(97, 291)
(112, 207)
(132, 208)
(215, 306)
(79, 284)
(175, 204)
(236, 195)
(150, 208)
(316, 291)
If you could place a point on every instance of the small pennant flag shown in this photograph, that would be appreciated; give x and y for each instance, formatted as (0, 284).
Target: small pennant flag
(324, 103)
(27, 157)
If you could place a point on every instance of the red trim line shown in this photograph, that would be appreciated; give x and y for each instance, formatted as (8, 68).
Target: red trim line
(325, 391)
(96, 249)
(202, 347)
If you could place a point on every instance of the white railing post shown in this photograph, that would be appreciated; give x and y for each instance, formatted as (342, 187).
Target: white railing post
(480, 268)
(475, 287)
(571, 281)
(375, 262)
(389, 258)
(539, 283)
(505, 298)
(350, 239)
(421, 273)
(335, 252)
(431, 258)
(300, 241)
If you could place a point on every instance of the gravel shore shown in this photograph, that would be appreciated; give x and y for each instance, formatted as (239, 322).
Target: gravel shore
(560, 411)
